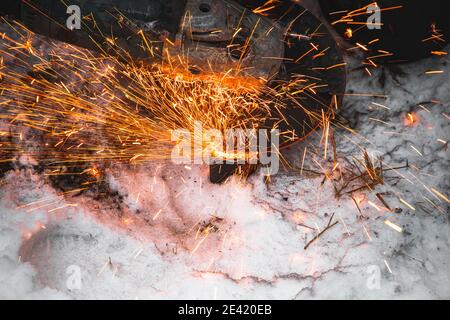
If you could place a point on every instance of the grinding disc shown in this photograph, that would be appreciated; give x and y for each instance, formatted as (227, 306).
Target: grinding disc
(305, 39)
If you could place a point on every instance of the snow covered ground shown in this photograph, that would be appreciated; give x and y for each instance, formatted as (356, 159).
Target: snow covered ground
(146, 239)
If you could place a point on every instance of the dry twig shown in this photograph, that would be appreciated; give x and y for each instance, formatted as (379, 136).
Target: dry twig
(329, 226)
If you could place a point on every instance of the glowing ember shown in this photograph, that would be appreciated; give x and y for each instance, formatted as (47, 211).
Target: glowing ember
(411, 119)
(348, 33)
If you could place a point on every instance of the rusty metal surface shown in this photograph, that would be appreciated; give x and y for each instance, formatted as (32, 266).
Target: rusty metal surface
(218, 36)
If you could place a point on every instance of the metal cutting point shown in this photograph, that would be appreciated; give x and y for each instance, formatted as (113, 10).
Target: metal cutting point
(276, 42)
